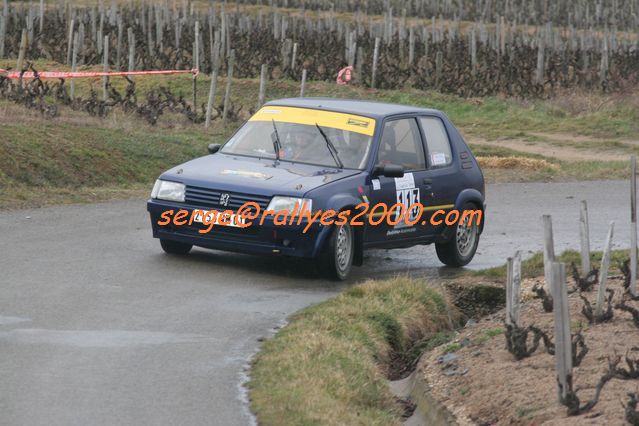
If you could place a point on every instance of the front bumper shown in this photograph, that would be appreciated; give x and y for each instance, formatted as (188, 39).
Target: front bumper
(268, 238)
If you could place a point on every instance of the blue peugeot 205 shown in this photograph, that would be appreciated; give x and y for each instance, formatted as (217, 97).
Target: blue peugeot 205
(309, 155)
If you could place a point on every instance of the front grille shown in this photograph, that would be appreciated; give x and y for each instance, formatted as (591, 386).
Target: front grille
(205, 197)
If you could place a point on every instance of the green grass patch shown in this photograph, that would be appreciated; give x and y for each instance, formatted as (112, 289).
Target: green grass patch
(492, 332)
(453, 347)
(327, 366)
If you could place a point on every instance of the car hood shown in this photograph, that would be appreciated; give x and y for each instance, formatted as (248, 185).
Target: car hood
(254, 175)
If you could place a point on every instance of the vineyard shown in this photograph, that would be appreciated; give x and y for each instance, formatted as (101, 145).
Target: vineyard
(462, 47)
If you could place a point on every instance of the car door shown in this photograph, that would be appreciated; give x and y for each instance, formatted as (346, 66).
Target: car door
(400, 144)
(441, 179)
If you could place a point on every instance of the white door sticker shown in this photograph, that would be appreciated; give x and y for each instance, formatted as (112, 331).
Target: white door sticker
(406, 182)
(438, 158)
(376, 185)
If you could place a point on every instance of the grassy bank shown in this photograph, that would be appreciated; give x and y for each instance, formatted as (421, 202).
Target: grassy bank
(329, 364)
(51, 162)
(75, 157)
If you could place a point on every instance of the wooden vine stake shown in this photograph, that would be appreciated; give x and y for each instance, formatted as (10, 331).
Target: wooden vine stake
(196, 62)
(2, 35)
(262, 92)
(603, 273)
(375, 58)
(105, 79)
(633, 226)
(70, 42)
(209, 104)
(227, 93)
(303, 84)
(584, 234)
(74, 63)
(549, 249)
(513, 285)
(23, 50)
(41, 22)
(131, 36)
(563, 338)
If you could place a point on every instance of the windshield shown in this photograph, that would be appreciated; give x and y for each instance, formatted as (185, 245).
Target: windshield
(300, 134)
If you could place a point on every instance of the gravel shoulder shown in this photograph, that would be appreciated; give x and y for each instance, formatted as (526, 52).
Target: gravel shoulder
(481, 382)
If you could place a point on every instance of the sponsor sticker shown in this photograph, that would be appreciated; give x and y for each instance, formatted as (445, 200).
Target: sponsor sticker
(247, 173)
(356, 122)
(376, 184)
(405, 182)
(438, 158)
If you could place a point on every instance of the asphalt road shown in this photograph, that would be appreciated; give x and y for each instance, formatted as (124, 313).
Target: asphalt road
(98, 326)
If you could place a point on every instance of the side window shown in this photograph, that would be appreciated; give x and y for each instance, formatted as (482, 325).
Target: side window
(401, 144)
(436, 141)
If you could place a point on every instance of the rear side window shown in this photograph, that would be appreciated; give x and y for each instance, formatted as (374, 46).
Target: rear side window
(401, 144)
(436, 141)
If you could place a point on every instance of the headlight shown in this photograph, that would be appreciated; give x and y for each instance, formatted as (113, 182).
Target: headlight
(170, 191)
(279, 203)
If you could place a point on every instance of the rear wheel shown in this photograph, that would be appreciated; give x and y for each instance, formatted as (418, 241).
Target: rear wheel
(460, 248)
(174, 247)
(337, 257)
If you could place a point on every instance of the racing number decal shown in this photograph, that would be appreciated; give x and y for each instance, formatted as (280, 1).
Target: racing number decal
(407, 197)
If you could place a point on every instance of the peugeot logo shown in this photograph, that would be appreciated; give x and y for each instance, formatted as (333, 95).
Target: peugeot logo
(224, 199)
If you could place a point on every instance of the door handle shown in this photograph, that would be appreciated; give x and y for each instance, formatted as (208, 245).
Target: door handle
(427, 181)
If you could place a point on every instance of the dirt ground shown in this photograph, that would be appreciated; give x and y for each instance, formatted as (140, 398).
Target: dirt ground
(562, 147)
(485, 385)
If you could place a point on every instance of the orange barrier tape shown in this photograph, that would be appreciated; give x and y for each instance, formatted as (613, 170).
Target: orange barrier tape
(83, 74)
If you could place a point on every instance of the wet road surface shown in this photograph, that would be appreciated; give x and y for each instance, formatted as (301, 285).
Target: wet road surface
(98, 326)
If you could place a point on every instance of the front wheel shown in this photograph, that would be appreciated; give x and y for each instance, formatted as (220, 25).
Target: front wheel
(460, 249)
(337, 257)
(174, 247)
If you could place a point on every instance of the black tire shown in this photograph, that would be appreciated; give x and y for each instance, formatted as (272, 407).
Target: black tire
(174, 247)
(453, 252)
(335, 263)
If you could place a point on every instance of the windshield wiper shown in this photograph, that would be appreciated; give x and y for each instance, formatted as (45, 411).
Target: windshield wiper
(331, 147)
(277, 144)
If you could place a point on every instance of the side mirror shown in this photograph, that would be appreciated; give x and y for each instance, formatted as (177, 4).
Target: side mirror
(389, 170)
(214, 147)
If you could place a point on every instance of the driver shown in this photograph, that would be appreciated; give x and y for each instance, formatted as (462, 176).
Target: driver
(298, 144)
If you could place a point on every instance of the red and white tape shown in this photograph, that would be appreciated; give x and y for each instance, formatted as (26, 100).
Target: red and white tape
(85, 74)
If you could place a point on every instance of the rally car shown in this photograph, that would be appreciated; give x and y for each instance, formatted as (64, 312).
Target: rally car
(322, 154)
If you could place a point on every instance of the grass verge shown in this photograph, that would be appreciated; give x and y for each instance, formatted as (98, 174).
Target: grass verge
(62, 162)
(534, 265)
(69, 158)
(329, 364)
